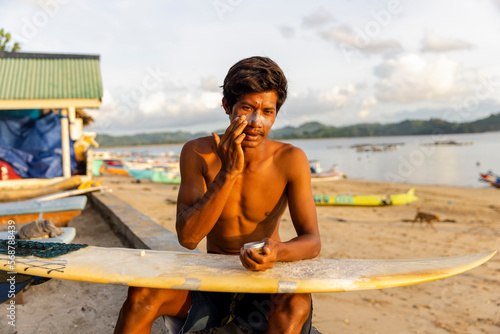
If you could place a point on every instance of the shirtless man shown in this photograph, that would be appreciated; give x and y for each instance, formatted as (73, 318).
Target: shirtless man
(234, 190)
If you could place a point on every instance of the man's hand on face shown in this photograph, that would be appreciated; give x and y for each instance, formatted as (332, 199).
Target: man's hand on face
(252, 260)
(229, 147)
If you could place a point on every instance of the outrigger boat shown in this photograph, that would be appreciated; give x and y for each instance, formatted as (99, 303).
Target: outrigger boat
(366, 200)
(24, 189)
(318, 175)
(166, 176)
(59, 211)
(491, 178)
(113, 167)
(141, 174)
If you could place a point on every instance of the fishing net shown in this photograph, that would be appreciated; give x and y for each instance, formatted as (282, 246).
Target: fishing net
(35, 248)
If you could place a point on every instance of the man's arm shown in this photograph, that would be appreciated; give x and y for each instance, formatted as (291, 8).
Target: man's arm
(199, 207)
(302, 209)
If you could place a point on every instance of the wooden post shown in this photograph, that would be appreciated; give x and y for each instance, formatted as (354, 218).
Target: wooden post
(66, 161)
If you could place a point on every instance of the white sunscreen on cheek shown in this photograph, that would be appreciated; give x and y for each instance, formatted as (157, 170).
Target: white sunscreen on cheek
(257, 118)
(253, 117)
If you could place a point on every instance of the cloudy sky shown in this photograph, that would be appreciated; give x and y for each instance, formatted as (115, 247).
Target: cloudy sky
(347, 62)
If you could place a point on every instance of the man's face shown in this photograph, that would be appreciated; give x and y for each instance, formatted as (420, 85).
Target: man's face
(260, 112)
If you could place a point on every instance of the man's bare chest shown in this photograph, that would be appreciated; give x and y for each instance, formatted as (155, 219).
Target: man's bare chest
(257, 195)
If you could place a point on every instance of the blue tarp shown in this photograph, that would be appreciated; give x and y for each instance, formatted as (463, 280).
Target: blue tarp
(33, 146)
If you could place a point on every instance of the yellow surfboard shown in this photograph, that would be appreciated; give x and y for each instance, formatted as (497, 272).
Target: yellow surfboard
(208, 272)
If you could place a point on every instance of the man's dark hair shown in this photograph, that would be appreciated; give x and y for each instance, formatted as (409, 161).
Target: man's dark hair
(254, 74)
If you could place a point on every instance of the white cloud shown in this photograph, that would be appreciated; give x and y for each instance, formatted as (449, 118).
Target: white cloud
(410, 78)
(153, 103)
(210, 84)
(357, 41)
(211, 100)
(109, 103)
(286, 31)
(365, 110)
(125, 4)
(435, 43)
(317, 19)
(337, 96)
(161, 109)
(304, 39)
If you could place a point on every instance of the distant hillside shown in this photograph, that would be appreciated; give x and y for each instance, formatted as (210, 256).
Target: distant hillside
(318, 130)
(407, 127)
(140, 139)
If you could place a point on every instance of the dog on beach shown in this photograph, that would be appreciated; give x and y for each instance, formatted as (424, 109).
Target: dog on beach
(425, 217)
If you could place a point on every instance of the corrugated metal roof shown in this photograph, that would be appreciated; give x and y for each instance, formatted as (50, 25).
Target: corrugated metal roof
(49, 76)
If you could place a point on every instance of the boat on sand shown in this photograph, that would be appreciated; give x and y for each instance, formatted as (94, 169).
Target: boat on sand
(23, 189)
(59, 211)
(319, 175)
(491, 178)
(366, 200)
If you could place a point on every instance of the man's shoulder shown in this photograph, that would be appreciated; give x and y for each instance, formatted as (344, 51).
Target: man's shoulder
(202, 140)
(201, 144)
(285, 149)
(287, 153)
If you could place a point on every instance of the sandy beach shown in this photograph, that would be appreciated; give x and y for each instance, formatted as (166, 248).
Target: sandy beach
(466, 303)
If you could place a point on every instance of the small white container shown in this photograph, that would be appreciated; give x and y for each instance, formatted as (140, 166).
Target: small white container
(258, 246)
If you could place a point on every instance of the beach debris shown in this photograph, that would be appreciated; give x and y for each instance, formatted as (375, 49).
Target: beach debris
(334, 146)
(379, 147)
(447, 143)
(41, 228)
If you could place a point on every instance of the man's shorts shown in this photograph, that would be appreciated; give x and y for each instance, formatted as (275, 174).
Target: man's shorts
(217, 309)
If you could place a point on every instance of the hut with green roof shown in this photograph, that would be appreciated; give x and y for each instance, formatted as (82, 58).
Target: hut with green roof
(36, 84)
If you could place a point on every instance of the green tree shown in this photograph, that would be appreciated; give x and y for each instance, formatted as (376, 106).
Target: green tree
(5, 42)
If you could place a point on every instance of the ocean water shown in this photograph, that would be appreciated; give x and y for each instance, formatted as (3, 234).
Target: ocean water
(413, 160)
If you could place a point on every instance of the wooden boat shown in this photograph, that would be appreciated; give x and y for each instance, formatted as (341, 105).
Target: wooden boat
(141, 174)
(96, 167)
(331, 175)
(23, 189)
(166, 176)
(113, 167)
(74, 192)
(366, 200)
(491, 178)
(58, 211)
(318, 175)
